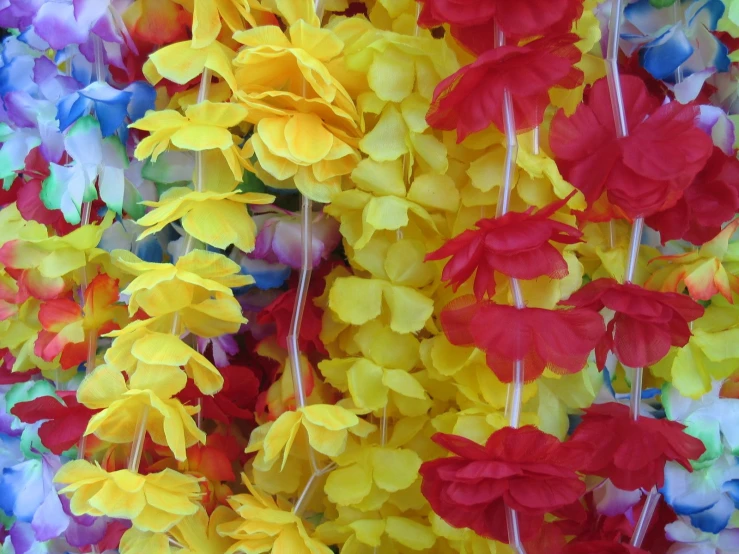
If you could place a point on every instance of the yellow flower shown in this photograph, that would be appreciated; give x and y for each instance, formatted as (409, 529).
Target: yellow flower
(165, 288)
(380, 201)
(204, 126)
(328, 429)
(710, 355)
(207, 15)
(306, 124)
(135, 541)
(155, 502)
(215, 219)
(371, 473)
(702, 272)
(136, 344)
(182, 62)
(382, 375)
(267, 525)
(198, 534)
(150, 390)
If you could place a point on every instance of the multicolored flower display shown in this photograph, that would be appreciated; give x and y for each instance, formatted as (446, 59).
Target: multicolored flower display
(375, 276)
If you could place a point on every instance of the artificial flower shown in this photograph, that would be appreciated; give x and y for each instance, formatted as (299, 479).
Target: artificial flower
(155, 502)
(66, 325)
(526, 72)
(663, 152)
(267, 525)
(64, 419)
(279, 238)
(688, 539)
(711, 200)
(560, 340)
(151, 389)
(166, 288)
(702, 271)
(615, 446)
(136, 344)
(516, 245)
(328, 430)
(474, 487)
(216, 219)
(204, 126)
(198, 534)
(645, 324)
(471, 20)
(236, 400)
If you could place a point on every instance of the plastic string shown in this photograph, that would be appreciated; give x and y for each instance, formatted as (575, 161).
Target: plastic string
(137, 446)
(301, 297)
(637, 229)
(515, 390)
(91, 338)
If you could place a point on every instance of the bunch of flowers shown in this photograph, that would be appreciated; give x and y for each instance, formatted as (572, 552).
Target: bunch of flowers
(376, 276)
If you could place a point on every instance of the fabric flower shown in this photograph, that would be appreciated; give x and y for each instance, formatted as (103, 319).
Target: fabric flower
(632, 454)
(559, 340)
(643, 173)
(155, 502)
(204, 126)
(169, 422)
(279, 238)
(472, 98)
(522, 469)
(689, 540)
(472, 22)
(645, 324)
(165, 288)
(516, 245)
(218, 219)
(64, 422)
(328, 430)
(267, 524)
(711, 200)
(198, 534)
(703, 272)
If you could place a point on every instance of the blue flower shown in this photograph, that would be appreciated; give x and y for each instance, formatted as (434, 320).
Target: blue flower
(113, 107)
(666, 45)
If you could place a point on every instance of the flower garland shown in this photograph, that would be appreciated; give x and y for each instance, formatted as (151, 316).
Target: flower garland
(377, 276)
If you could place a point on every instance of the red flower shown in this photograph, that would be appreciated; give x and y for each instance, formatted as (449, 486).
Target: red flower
(65, 423)
(632, 454)
(602, 547)
(524, 469)
(236, 400)
(643, 173)
(645, 325)
(472, 20)
(472, 98)
(711, 200)
(560, 340)
(516, 245)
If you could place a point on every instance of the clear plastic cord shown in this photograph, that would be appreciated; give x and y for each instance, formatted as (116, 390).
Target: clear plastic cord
(137, 445)
(622, 130)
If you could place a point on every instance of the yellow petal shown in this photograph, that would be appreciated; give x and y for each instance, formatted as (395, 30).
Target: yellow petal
(366, 386)
(395, 469)
(349, 485)
(307, 139)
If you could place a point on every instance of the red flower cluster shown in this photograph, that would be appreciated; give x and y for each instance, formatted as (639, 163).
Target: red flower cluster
(472, 98)
(65, 422)
(632, 454)
(711, 200)
(560, 340)
(643, 173)
(524, 469)
(516, 244)
(646, 323)
(472, 20)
